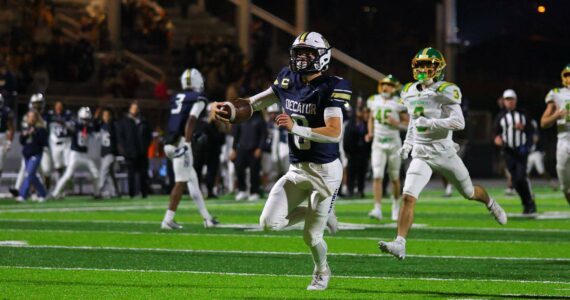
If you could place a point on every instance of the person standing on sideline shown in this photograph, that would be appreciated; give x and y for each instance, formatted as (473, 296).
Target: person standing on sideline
(33, 139)
(134, 137)
(357, 150)
(514, 134)
(6, 131)
(108, 134)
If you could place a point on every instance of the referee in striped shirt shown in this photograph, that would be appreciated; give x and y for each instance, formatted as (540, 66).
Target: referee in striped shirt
(514, 133)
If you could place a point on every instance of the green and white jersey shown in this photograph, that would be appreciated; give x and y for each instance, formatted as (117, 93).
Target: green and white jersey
(430, 102)
(381, 109)
(561, 97)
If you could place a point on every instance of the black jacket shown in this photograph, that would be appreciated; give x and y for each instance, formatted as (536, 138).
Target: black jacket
(133, 137)
(251, 134)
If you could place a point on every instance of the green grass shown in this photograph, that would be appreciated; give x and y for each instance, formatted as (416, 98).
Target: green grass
(80, 248)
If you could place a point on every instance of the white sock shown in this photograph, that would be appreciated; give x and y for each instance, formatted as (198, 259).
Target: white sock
(319, 252)
(491, 201)
(198, 199)
(169, 216)
(401, 239)
(378, 206)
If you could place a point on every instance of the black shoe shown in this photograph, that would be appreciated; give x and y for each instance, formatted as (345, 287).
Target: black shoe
(14, 192)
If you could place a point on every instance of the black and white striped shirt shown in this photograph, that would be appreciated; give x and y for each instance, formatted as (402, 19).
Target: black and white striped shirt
(505, 127)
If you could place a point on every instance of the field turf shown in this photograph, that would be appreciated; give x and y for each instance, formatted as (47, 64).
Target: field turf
(82, 248)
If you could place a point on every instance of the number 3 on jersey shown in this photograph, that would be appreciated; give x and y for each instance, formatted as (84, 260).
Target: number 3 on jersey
(419, 112)
(178, 108)
(301, 143)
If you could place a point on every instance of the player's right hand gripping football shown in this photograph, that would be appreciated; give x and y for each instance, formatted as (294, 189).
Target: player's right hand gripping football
(219, 113)
(404, 152)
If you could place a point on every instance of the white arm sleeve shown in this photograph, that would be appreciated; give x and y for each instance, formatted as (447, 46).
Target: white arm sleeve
(410, 133)
(307, 132)
(263, 99)
(455, 121)
(197, 109)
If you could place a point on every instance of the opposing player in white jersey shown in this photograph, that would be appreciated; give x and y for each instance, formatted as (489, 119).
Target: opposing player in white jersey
(312, 114)
(6, 131)
(558, 111)
(58, 120)
(81, 131)
(434, 107)
(185, 109)
(387, 117)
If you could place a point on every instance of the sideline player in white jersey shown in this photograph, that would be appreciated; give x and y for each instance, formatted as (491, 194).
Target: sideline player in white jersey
(6, 131)
(58, 120)
(558, 111)
(434, 106)
(80, 132)
(37, 102)
(387, 117)
(312, 114)
(185, 109)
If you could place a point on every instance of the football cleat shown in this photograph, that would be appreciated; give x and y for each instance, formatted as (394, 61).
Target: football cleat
(253, 197)
(170, 225)
(14, 192)
(396, 248)
(497, 211)
(375, 214)
(241, 196)
(20, 199)
(211, 223)
(332, 223)
(320, 280)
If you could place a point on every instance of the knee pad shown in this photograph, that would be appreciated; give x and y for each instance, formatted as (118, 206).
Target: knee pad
(271, 225)
(468, 192)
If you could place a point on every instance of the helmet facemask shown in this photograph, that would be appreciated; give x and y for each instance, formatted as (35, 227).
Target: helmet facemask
(426, 70)
(305, 59)
(386, 89)
(566, 77)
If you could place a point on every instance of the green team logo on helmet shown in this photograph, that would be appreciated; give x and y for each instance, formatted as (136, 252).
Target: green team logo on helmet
(565, 75)
(428, 64)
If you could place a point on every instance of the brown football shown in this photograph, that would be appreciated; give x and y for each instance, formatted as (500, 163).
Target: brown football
(238, 110)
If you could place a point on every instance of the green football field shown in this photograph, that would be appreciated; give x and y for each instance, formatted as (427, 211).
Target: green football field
(81, 248)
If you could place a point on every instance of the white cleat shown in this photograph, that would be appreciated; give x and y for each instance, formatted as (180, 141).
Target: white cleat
(253, 197)
(211, 223)
(241, 196)
(171, 225)
(332, 223)
(396, 248)
(497, 211)
(320, 280)
(20, 199)
(375, 214)
(395, 209)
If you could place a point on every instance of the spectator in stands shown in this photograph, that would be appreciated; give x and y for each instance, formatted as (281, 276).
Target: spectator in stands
(249, 138)
(134, 137)
(129, 82)
(357, 150)
(34, 139)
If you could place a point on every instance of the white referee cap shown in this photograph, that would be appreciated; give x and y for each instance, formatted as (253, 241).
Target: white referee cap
(510, 93)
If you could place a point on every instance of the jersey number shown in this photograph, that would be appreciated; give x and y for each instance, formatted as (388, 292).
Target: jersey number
(382, 116)
(81, 139)
(301, 143)
(419, 112)
(106, 139)
(178, 102)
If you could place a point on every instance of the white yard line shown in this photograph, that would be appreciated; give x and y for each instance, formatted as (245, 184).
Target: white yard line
(92, 248)
(283, 275)
(348, 225)
(265, 235)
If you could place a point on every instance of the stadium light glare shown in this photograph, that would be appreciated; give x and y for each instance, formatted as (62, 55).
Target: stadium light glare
(541, 9)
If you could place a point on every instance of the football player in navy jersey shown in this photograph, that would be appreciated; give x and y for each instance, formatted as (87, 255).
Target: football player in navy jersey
(109, 151)
(58, 120)
(185, 109)
(6, 131)
(80, 132)
(312, 115)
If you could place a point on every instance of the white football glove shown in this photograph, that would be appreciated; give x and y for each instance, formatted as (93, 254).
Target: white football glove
(404, 152)
(172, 152)
(423, 122)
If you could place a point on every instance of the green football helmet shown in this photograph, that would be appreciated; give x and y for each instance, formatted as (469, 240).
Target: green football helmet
(565, 75)
(428, 64)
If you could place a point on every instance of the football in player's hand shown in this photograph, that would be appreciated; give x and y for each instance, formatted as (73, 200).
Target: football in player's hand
(237, 111)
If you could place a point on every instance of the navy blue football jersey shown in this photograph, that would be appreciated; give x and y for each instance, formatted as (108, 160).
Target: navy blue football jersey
(80, 135)
(57, 123)
(5, 115)
(306, 103)
(108, 139)
(180, 107)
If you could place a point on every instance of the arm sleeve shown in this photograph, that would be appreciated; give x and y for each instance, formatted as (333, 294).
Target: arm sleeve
(263, 99)
(197, 109)
(455, 121)
(308, 133)
(410, 133)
